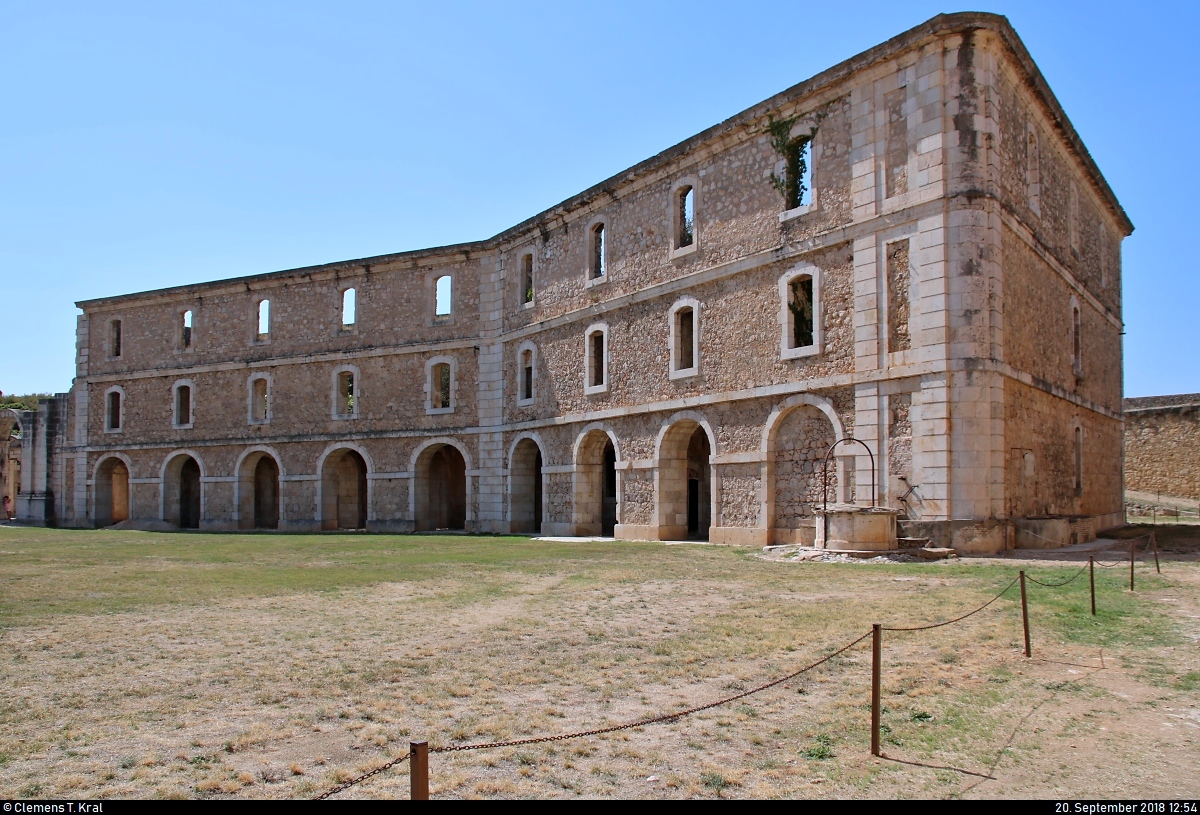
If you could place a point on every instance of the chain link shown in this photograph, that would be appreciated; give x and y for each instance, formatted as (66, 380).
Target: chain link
(666, 717)
(1071, 579)
(362, 777)
(956, 619)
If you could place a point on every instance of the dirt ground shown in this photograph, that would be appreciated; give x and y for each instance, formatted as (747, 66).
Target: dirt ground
(242, 666)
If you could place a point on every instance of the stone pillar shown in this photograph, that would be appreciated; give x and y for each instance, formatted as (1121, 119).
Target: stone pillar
(491, 468)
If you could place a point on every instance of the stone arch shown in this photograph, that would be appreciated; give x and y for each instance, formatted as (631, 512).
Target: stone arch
(258, 490)
(344, 488)
(596, 484)
(111, 498)
(683, 482)
(441, 493)
(526, 483)
(795, 439)
(181, 489)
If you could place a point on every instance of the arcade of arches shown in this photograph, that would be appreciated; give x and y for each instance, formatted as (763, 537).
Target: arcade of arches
(680, 494)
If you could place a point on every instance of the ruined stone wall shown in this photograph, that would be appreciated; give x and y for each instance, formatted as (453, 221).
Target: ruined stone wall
(1162, 447)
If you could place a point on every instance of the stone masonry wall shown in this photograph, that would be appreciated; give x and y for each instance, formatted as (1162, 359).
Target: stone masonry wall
(1162, 446)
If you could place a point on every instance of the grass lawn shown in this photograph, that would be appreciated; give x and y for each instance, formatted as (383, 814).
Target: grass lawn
(194, 665)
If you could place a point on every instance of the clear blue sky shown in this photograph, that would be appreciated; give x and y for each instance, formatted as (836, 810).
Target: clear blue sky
(149, 145)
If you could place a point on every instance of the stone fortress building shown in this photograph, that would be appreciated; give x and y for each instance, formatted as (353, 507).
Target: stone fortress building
(913, 248)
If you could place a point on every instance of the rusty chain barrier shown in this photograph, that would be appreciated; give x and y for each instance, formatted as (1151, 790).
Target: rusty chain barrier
(419, 751)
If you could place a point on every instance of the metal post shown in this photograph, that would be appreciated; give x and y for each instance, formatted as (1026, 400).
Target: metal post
(418, 778)
(1132, 549)
(1092, 580)
(1025, 616)
(876, 653)
(1154, 546)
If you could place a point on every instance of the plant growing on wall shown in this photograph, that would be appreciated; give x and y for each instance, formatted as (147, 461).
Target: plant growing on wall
(792, 150)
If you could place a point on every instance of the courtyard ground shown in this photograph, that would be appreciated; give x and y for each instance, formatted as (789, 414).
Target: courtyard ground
(141, 664)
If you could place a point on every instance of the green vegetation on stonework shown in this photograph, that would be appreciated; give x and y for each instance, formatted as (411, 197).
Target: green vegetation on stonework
(28, 401)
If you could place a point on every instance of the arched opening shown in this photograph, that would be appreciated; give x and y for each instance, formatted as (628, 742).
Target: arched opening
(526, 488)
(596, 485)
(801, 440)
(181, 503)
(684, 483)
(112, 493)
(441, 489)
(258, 492)
(344, 491)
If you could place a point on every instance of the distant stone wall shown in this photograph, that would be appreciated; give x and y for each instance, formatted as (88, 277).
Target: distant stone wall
(1162, 445)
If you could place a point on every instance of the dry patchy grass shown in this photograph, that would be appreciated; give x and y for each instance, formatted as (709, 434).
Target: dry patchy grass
(166, 665)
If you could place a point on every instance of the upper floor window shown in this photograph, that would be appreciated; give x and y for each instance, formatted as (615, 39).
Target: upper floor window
(682, 217)
(183, 405)
(1076, 339)
(526, 362)
(440, 386)
(349, 307)
(596, 359)
(114, 410)
(114, 339)
(264, 319)
(793, 176)
(598, 253)
(800, 314)
(260, 399)
(185, 330)
(685, 348)
(686, 206)
(444, 294)
(1073, 217)
(345, 392)
(527, 278)
(1033, 169)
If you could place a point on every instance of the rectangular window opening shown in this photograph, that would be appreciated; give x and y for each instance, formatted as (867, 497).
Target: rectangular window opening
(1076, 344)
(527, 278)
(114, 411)
(185, 329)
(687, 217)
(258, 404)
(597, 359)
(441, 386)
(797, 184)
(598, 253)
(1079, 461)
(444, 288)
(800, 304)
(527, 375)
(345, 393)
(264, 318)
(348, 308)
(115, 339)
(686, 352)
(183, 405)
